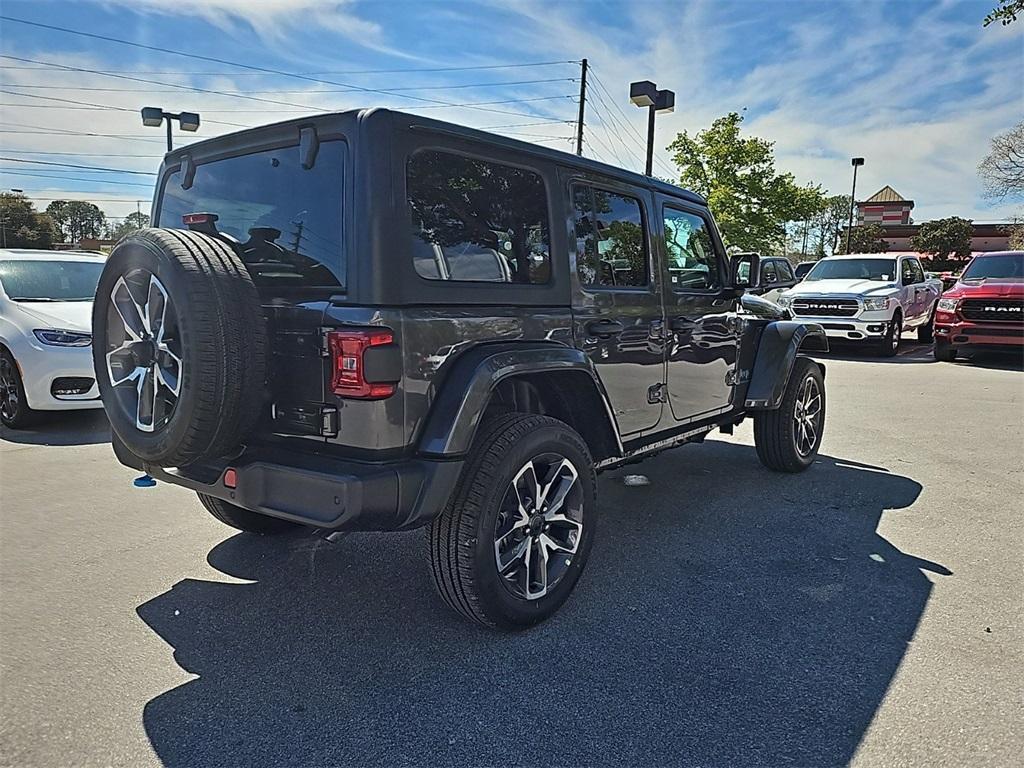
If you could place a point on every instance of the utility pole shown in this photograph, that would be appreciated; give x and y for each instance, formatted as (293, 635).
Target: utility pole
(583, 104)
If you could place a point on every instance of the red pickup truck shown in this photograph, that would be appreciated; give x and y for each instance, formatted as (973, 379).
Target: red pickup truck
(985, 308)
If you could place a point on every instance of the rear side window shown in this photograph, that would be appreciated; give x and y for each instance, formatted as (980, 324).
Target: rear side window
(477, 220)
(785, 271)
(286, 219)
(611, 245)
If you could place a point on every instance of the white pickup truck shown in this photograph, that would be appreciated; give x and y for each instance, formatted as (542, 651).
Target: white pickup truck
(869, 297)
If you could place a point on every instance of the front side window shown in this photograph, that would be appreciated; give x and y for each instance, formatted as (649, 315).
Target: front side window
(611, 248)
(692, 263)
(785, 271)
(909, 278)
(287, 219)
(768, 274)
(477, 220)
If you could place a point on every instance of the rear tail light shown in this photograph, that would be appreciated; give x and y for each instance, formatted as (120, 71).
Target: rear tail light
(353, 373)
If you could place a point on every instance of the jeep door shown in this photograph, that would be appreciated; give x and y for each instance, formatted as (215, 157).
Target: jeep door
(617, 312)
(701, 318)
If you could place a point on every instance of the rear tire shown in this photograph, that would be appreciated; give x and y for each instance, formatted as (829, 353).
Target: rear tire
(243, 519)
(926, 332)
(944, 351)
(782, 445)
(482, 544)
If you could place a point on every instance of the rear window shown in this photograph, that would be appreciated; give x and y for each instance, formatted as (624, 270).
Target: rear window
(477, 220)
(286, 219)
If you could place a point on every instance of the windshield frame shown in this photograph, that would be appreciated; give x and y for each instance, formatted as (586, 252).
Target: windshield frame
(810, 278)
(268, 139)
(5, 286)
(992, 257)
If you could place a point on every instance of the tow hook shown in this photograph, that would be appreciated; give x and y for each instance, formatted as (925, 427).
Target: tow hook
(331, 537)
(144, 481)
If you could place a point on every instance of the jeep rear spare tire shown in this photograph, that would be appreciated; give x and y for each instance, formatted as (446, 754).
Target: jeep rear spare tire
(179, 346)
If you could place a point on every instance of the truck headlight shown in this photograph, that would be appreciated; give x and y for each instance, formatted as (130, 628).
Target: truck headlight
(56, 337)
(875, 303)
(947, 305)
(784, 300)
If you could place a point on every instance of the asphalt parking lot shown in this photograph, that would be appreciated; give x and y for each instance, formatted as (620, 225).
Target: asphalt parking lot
(868, 610)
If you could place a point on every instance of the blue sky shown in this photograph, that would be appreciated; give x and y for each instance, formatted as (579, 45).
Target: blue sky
(918, 88)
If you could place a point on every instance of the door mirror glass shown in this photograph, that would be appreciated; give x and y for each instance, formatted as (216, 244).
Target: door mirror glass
(744, 269)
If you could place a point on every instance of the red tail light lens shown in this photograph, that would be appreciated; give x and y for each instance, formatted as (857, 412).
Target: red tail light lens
(348, 355)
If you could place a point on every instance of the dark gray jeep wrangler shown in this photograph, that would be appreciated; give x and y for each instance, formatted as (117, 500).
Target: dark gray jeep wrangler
(376, 321)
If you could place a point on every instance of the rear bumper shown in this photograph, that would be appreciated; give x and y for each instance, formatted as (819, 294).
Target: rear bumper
(320, 490)
(963, 333)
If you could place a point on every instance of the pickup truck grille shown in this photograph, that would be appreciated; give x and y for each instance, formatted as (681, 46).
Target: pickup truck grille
(825, 307)
(993, 310)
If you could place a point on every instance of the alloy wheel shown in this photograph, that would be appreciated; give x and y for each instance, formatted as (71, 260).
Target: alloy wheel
(9, 400)
(807, 416)
(539, 526)
(144, 357)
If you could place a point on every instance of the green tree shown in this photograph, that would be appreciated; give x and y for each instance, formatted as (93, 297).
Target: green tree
(1005, 13)
(944, 238)
(829, 223)
(865, 238)
(752, 203)
(132, 223)
(21, 226)
(76, 219)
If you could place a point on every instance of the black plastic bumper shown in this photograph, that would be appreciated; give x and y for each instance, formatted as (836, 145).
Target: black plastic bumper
(320, 490)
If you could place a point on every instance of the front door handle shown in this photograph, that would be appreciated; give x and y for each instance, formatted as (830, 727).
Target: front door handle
(605, 329)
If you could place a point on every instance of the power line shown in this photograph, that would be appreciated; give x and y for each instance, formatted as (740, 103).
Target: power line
(301, 91)
(225, 62)
(311, 108)
(81, 167)
(76, 192)
(625, 121)
(343, 72)
(74, 178)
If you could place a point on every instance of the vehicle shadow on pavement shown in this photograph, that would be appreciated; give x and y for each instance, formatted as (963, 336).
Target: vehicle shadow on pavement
(87, 427)
(910, 352)
(728, 616)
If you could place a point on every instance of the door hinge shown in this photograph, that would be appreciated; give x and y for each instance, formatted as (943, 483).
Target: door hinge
(657, 393)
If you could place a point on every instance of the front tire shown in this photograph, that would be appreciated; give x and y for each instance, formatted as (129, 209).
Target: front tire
(787, 439)
(891, 342)
(944, 351)
(243, 519)
(14, 410)
(513, 539)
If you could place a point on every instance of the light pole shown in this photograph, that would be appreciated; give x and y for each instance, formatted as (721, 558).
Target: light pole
(644, 93)
(856, 162)
(153, 117)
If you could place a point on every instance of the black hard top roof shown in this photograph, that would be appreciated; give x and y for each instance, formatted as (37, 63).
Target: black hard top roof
(427, 123)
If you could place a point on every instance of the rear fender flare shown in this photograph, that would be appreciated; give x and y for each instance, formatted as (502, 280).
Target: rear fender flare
(466, 390)
(777, 351)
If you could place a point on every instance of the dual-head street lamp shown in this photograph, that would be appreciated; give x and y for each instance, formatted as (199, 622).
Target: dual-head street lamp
(856, 162)
(646, 94)
(153, 117)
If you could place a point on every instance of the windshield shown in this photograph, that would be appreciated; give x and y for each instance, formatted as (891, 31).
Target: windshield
(286, 219)
(883, 270)
(1009, 265)
(50, 280)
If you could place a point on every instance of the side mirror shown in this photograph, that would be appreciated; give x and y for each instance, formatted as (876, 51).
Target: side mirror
(745, 270)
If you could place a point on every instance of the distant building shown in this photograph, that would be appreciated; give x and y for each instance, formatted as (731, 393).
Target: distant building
(886, 207)
(890, 210)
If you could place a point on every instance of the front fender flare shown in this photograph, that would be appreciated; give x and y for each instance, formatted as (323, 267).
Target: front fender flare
(776, 355)
(466, 389)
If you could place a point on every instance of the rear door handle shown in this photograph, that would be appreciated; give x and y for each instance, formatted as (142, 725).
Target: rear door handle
(605, 329)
